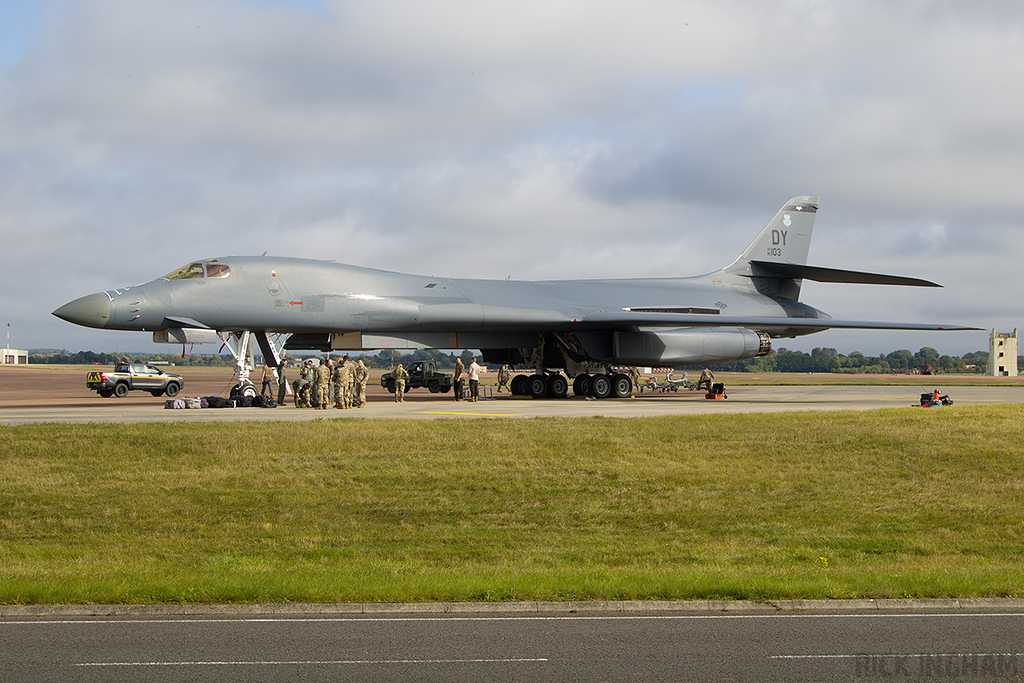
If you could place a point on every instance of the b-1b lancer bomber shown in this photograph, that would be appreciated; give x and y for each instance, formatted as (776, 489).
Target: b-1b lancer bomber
(582, 328)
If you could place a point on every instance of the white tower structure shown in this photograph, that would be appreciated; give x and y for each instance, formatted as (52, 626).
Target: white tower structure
(13, 356)
(1002, 354)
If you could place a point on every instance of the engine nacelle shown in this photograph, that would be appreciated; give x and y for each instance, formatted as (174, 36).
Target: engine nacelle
(689, 346)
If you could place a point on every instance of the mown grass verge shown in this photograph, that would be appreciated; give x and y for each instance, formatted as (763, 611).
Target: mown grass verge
(892, 503)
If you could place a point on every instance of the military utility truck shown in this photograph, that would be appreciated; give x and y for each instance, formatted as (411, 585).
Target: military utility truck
(422, 373)
(128, 376)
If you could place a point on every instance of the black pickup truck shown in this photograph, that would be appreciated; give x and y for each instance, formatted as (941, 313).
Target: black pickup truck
(422, 373)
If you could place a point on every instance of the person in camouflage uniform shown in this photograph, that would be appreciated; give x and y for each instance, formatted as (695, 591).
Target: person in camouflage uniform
(348, 383)
(400, 376)
(460, 370)
(323, 378)
(328, 396)
(282, 381)
(302, 385)
(634, 377)
(349, 387)
(361, 374)
(338, 380)
(707, 378)
(503, 374)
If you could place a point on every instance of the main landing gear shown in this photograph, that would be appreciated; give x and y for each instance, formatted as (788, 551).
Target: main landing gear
(555, 385)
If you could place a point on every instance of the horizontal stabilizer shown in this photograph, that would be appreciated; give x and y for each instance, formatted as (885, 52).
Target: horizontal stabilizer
(798, 271)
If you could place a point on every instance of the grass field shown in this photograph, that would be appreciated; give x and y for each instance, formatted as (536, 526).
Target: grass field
(892, 503)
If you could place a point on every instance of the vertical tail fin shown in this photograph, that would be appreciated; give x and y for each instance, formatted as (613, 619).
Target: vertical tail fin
(786, 239)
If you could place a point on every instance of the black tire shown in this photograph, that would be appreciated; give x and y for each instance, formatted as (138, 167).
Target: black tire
(433, 386)
(246, 390)
(105, 393)
(537, 386)
(519, 385)
(622, 386)
(558, 386)
(581, 385)
(157, 392)
(173, 388)
(120, 390)
(601, 386)
(389, 384)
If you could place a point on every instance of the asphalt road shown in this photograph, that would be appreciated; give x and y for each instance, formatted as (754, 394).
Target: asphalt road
(951, 645)
(741, 399)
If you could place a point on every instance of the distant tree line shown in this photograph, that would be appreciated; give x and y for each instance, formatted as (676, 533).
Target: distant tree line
(829, 360)
(65, 357)
(782, 360)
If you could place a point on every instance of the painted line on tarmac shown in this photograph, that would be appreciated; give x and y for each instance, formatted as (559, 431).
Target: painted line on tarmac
(339, 662)
(452, 412)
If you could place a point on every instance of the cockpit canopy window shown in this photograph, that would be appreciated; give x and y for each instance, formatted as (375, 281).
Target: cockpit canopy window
(194, 271)
(214, 269)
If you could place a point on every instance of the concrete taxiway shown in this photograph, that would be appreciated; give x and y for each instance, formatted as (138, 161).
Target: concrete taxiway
(741, 399)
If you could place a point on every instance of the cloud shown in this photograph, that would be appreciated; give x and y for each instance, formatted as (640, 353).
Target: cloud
(537, 139)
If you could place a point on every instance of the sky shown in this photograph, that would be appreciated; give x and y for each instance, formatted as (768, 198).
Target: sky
(537, 140)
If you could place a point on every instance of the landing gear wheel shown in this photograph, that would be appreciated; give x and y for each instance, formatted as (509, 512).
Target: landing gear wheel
(558, 386)
(622, 386)
(601, 386)
(518, 385)
(244, 390)
(581, 385)
(537, 385)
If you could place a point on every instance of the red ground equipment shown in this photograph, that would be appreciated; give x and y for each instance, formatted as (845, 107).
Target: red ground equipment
(717, 392)
(932, 398)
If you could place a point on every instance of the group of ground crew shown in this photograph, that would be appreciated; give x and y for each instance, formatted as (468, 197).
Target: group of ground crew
(342, 384)
(473, 373)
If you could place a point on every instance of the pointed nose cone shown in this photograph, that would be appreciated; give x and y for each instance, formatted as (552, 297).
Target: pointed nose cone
(90, 311)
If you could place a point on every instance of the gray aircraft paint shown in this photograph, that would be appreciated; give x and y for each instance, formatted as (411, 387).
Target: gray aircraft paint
(723, 315)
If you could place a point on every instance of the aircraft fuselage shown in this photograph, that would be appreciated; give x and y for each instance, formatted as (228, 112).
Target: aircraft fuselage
(728, 314)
